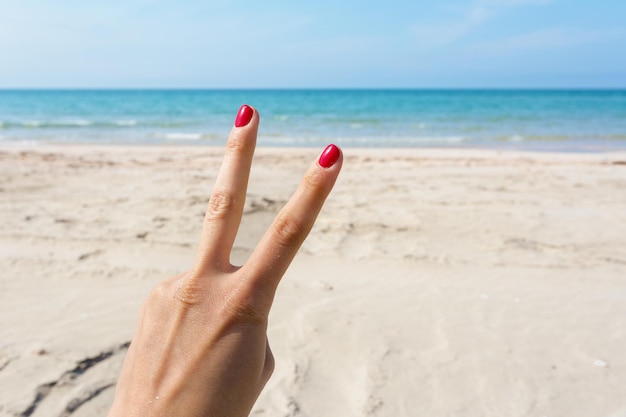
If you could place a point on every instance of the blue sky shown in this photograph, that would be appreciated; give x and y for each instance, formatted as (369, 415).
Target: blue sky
(315, 44)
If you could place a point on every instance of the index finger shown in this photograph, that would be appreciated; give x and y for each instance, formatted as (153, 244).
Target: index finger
(281, 242)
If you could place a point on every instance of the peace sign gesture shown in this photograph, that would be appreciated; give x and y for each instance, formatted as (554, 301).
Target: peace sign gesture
(200, 347)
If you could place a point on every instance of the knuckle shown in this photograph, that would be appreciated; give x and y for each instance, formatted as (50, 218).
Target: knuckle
(244, 306)
(247, 314)
(289, 230)
(313, 180)
(159, 293)
(244, 310)
(236, 142)
(190, 290)
(161, 298)
(220, 204)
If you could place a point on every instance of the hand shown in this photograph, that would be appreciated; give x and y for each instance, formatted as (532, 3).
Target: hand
(200, 347)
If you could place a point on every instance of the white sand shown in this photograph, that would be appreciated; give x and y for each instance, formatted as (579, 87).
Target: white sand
(435, 283)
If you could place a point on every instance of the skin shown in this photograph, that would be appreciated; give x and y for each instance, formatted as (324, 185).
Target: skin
(200, 347)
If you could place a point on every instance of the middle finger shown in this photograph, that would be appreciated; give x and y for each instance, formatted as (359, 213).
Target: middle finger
(225, 209)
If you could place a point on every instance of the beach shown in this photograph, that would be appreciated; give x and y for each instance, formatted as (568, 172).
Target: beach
(437, 282)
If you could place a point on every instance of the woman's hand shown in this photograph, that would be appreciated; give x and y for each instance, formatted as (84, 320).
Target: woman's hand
(200, 347)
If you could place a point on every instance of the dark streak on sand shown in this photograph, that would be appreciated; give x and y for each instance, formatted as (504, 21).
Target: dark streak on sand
(81, 367)
(75, 403)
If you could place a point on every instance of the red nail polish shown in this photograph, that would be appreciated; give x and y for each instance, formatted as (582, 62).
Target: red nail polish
(244, 116)
(330, 155)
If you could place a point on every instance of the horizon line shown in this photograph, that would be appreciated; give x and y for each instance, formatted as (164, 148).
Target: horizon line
(477, 88)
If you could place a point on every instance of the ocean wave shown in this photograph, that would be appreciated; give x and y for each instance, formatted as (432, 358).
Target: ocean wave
(47, 124)
(365, 141)
(536, 138)
(426, 141)
(419, 140)
(166, 124)
(183, 136)
(79, 123)
(455, 139)
(68, 124)
(129, 122)
(56, 123)
(341, 120)
(31, 123)
(617, 137)
(18, 143)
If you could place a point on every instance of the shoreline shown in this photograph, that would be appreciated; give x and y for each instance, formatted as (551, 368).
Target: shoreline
(413, 151)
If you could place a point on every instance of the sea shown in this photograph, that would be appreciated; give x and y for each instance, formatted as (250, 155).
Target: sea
(544, 120)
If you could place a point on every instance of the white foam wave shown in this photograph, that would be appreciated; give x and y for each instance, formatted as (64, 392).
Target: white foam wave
(32, 123)
(17, 143)
(129, 122)
(455, 139)
(374, 141)
(183, 136)
(77, 122)
(56, 123)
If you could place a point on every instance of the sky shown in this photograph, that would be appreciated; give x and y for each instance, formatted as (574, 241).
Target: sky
(313, 44)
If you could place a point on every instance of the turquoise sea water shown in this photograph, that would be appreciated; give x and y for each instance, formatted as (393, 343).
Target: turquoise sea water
(570, 120)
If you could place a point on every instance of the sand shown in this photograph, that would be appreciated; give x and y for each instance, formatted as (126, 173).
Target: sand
(435, 283)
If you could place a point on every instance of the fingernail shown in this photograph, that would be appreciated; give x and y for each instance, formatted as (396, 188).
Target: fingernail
(244, 116)
(330, 155)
